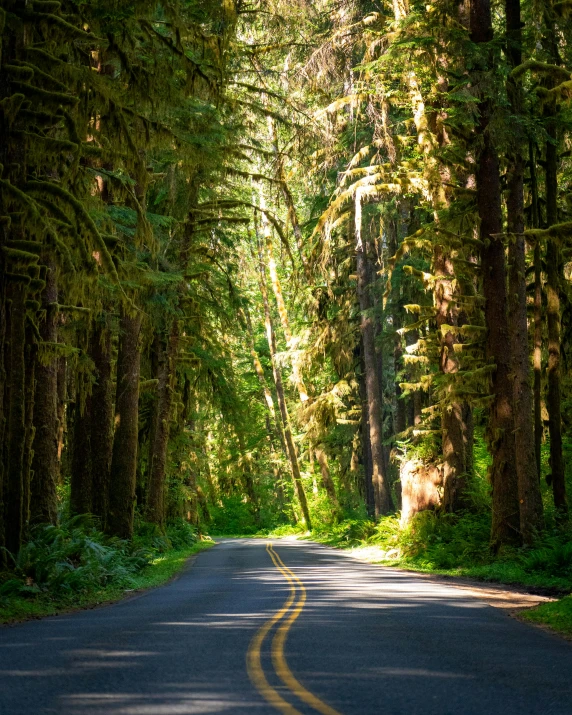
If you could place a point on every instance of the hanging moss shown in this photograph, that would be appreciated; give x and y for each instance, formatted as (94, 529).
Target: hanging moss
(22, 73)
(48, 58)
(44, 95)
(39, 74)
(17, 278)
(60, 192)
(70, 30)
(18, 256)
(11, 107)
(28, 246)
(50, 146)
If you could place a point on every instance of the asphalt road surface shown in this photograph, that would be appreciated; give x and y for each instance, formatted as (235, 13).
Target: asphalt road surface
(293, 628)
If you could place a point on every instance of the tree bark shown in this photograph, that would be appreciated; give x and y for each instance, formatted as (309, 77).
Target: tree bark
(125, 442)
(554, 374)
(537, 360)
(290, 446)
(505, 512)
(365, 438)
(16, 437)
(382, 494)
(30, 353)
(101, 423)
(529, 496)
(81, 487)
(160, 433)
(45, 463)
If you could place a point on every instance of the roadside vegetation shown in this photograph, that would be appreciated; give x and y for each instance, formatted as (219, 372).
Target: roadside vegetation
(74, 565)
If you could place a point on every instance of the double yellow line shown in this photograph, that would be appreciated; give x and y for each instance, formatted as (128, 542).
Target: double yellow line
(286, 616)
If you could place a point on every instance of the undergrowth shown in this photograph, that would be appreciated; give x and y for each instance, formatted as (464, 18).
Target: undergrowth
(75, 563)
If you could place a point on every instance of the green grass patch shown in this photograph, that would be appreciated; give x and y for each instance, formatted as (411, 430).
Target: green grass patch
(556, 615)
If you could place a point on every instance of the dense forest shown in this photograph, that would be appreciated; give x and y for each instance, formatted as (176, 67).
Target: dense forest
(297, 266)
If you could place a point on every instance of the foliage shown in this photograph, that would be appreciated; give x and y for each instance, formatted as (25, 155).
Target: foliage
(76, 558)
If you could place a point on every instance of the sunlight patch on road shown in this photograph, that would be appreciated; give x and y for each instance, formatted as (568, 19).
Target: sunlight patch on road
(283, 620)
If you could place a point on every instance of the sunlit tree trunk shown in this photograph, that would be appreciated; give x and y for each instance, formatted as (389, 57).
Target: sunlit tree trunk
(365, 436)
(381, 491)
(268, 399)
(290, 446)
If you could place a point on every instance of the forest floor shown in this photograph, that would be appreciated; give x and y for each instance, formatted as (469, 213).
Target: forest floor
(160, 570)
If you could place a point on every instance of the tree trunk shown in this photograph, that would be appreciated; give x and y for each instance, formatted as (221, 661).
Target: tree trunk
(81, 487)
(553, 272)
(262, 381)
(327, 481)
(290, 446)
(45, 464)
(282, 311)
(160, 433)
(365, 438)
(125, 442)
(382, 495)
(101, 424)
(505, 514)
(16, 436)
(537, 364)
(529, 496)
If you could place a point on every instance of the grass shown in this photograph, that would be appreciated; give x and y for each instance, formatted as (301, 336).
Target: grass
(557, 616)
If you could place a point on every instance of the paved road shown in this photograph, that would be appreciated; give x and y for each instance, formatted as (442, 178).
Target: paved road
(346, 637)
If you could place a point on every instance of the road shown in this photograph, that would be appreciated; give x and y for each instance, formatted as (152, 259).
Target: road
(294, 628)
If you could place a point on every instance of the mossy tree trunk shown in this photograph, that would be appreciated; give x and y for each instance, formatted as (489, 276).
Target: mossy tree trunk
(45, 463)
(505, 512)
(367, 462)
(288, 438)
(155, 510)
(101, 423)
(382, 495)
(125, 442)
(16, 432)
(529, 496)
(81, 481)
(31, 351)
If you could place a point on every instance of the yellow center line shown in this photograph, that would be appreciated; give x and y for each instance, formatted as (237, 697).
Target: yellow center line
(254, 656)
(279, 641)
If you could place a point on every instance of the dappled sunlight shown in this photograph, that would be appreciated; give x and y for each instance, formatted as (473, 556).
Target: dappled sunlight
(181, 650)
(179, 703)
